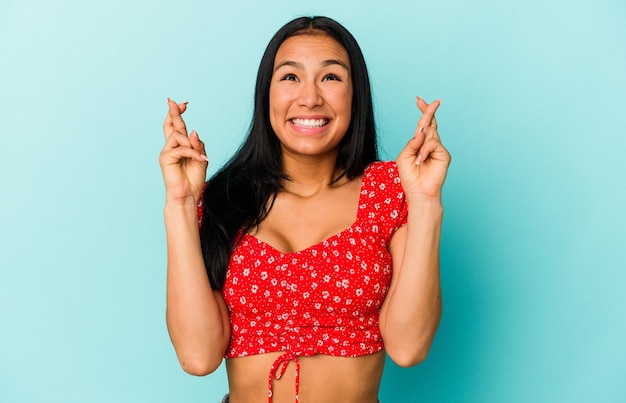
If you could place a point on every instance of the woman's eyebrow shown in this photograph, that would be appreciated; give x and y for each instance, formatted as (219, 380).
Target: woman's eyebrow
(300, 66)
(290, 63)
(331, 62)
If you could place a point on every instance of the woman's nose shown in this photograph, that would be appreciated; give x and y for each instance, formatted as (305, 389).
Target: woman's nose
(310, 95)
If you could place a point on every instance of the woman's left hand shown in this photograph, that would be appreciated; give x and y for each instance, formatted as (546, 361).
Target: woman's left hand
(423, 163)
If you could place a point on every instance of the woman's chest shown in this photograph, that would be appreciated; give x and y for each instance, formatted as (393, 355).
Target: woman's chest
(295, 223)
(348, 273)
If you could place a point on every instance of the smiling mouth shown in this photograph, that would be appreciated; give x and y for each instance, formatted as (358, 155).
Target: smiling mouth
(310, 123)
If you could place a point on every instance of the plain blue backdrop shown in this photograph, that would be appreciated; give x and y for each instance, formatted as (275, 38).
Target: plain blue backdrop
(533, 248)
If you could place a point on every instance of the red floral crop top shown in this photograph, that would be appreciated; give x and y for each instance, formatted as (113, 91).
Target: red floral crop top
(325, 299)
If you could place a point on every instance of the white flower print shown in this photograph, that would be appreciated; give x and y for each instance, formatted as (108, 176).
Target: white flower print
(292, 307)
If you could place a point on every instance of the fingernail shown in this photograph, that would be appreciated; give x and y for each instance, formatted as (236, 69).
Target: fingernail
(204, 157)
(419, 159)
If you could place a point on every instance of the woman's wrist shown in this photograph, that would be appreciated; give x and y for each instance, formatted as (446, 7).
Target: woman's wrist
(425, 209)
(181, 211)
(425, 202)
(176, 202)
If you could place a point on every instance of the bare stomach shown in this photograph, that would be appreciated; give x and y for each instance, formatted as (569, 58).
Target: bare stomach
(323, 378)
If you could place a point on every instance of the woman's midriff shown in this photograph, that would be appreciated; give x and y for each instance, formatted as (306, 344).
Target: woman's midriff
(323, 378)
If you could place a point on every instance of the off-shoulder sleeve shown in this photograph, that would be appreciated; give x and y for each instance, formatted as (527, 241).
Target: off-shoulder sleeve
(390, 200)
(200, 206)
(400, 211)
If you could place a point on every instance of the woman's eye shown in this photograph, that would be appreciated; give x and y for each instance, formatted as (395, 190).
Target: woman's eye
(289, 77)
(331, 77)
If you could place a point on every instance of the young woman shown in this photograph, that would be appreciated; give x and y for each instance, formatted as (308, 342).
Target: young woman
(312, 258)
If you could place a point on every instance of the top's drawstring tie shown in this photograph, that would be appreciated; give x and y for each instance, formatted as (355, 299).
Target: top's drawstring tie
(278, 370)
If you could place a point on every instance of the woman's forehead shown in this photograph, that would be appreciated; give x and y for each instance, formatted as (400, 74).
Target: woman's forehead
(311, 46)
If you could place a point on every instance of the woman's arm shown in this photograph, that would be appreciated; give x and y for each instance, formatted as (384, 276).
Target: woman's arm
(411, 312)
(197, 318)
(412, 309)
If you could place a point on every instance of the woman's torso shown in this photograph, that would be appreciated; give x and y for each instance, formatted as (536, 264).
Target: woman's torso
(331, 331)
(323, 378)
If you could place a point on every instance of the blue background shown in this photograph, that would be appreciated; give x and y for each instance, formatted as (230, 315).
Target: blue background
(533, 247)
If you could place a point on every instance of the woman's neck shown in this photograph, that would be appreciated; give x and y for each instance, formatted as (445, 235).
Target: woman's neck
(308, 177)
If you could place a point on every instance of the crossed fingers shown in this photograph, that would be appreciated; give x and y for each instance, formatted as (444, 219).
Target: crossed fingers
(426, 131)
(176, 137)
(174, 121)
(428, 119)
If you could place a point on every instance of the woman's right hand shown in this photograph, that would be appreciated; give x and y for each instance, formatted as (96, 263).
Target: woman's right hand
(183, 160)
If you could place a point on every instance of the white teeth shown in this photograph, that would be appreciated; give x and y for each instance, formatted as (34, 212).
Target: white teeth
(309, 123)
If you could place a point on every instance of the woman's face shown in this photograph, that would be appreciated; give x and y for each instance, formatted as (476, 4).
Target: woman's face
(311, 95)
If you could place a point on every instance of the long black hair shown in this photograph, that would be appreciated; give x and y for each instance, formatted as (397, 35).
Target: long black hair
(238, 197)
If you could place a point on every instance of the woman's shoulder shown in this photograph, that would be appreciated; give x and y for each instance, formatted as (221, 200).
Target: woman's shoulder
(382, 171)
(382, 165)
(381, 180)
(383, 197)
